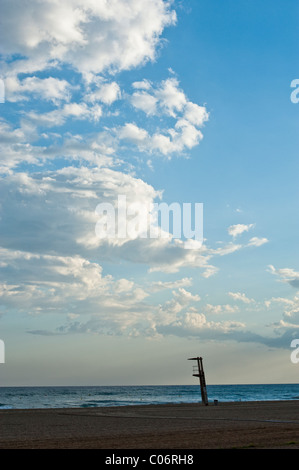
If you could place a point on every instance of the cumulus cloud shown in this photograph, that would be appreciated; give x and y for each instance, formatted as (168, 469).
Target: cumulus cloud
(238, 229)
(57, 117)
(195, 324)
(169, 101)
(17, 146)
(221, 309)
(287, 327)
(133, 133)
(144, 101)
(240, 296)
(226, 249)
(89, 36)
(89, 301)
(59, 161)
(142, 85)
(160, 285)
(48, 89)
(71, 287)
(290, 310)
(55, 211)
(288, 275)
(18, 143)
(105, 92)
(181, 300)
(256, 241)
(57, 208)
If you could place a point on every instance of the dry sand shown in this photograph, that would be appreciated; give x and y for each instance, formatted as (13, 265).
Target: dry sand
(243, 425)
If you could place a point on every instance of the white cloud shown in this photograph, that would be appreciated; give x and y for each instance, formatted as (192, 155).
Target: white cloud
(198, 321)
(105, 92)
(89, 301)
(57, 208)
(220, 309)
(238, 229)
(166, 100)
(90, 36)
(240, 296)
(171, 99)
(133, 133)
(288, 325)
(56, 211)
(50, 253)
(124, 285)
(189, 136)
(195, 114)
(48, 89)
(69, 285)
(159, 285)
(227, 249)
(195, 324)
(181, 299)
(142, 85)
(72, 110)
(255, 241)
(17, 143)
(145, 102)
(16, 146)
(288, 275)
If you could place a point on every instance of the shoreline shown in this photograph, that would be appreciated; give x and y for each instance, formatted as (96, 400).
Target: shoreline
(254, 424)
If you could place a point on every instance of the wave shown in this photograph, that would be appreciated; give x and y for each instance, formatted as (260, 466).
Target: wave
(97, 396)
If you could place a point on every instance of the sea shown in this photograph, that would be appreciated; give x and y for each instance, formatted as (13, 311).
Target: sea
(99, 396)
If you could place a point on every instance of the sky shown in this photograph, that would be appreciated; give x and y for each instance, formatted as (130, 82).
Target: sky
(156, 101)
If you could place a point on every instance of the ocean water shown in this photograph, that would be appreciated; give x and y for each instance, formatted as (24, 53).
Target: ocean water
(98, 396)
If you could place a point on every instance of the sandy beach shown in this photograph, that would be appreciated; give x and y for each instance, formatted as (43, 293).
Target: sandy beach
(245, 425)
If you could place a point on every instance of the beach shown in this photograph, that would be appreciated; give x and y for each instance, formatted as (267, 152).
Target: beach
(238, 425)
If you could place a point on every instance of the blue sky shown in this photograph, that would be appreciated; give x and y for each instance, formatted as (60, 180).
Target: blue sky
(176, 101)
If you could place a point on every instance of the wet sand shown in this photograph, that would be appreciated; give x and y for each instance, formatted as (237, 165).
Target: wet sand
(244, 425)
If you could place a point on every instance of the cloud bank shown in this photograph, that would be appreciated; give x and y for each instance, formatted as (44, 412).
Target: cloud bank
(67, 142)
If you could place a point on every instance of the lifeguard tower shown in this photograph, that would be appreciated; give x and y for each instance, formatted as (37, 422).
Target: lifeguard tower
(199, 372)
